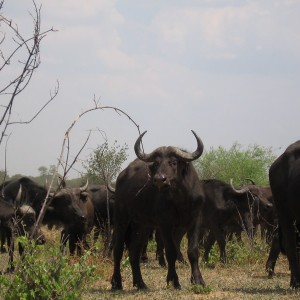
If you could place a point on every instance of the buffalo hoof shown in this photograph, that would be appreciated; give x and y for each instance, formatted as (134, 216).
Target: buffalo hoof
(198, 281)
(9, 270)
(161, 261)
(175, 282)
(140, 285)
(116, 285)
(295, 283)
(144, 259)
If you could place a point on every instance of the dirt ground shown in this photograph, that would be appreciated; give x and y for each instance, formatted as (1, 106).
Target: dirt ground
(225, 282)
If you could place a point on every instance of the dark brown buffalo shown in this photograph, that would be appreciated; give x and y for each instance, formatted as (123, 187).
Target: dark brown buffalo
(284, 175)
(17, 221)
(158, 190)
(228, 210)
(66, 208)
(103, 199)
(74, 230)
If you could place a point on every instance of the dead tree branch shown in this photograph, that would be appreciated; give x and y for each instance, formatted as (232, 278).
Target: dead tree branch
(65, 152)
(30, 61)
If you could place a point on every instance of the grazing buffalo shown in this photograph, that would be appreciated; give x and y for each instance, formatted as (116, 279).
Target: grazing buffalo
(73, 209)
(66, 208)
(284, 175)
(17, 221)
(103, 200)
(158, 190)
(228, 210)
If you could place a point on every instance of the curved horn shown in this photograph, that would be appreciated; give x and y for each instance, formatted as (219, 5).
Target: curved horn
(19, 195)
(110, 188)
(186, 156)
(241, 191)
(139, 153)
(84, 188)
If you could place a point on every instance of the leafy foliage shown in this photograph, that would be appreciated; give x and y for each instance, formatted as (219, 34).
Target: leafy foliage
(105, 162)
(52, 278)
(236, 163)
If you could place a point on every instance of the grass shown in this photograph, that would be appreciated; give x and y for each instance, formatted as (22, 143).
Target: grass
(244, 276)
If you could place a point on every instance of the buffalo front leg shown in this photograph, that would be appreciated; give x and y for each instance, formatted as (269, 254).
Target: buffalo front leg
(171, 255)
(160, 255)
(193, 237)
(139, 238)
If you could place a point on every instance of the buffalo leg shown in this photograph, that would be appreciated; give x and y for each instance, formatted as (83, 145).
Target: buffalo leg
(118, 248)
(273, 255)
(178, 236)
(193, 237)
(171, 255)
(290, 243)
(208, 243)
(160, 255)
(139, 238)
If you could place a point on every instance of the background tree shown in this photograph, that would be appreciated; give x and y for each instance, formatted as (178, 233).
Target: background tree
(105, 162)
(236, 163)
(3, 176)
(43, 171)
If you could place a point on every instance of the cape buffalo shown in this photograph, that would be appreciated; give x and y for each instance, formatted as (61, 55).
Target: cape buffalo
(158, 190)
(103, 201)
(227, 210)
(73, 209)
(17, 221)
(284, 175)
(66, 208)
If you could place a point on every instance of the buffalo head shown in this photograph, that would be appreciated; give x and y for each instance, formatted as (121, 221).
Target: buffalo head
(167, 165)
(25, 223)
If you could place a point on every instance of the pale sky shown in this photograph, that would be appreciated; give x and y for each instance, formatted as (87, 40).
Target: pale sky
(229, 70)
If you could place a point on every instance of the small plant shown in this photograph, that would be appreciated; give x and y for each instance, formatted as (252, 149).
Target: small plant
(126, 262)
(42, 276)
(199, 289)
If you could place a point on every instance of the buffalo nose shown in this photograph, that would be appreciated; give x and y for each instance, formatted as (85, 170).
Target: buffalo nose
(160, 180)
(83, 218)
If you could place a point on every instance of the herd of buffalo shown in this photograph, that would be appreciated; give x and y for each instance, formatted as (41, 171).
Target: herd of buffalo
(161, 192)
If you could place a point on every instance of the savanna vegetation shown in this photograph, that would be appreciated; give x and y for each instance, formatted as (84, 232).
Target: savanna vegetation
(46, 274)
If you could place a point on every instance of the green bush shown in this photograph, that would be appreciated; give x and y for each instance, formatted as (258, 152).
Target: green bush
(239, 253)
(42, 275)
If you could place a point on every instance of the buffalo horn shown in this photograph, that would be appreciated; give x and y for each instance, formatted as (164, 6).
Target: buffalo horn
(84, 188)
(240, 191)
(110, 188)
(186, 156)
(18, 198)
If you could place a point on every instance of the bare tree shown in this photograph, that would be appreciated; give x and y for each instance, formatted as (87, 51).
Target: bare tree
(19, 59)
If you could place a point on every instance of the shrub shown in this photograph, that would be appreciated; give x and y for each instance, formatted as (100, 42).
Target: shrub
(50, 275)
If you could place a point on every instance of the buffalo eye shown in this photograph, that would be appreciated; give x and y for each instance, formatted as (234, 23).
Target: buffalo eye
(173, 163)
